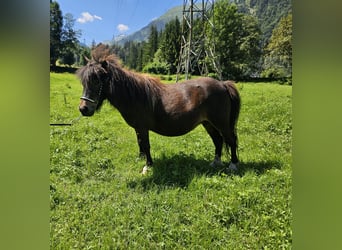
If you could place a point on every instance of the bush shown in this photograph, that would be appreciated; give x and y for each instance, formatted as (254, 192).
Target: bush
(166, 78)
(157, 68)
(213, 75)
(274, 73)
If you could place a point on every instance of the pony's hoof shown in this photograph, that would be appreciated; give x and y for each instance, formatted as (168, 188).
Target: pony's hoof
(233, 167)
(216, 163)
(145, 170)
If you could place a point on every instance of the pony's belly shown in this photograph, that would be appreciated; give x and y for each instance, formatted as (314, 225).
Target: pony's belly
(174, 129)
(174, 132)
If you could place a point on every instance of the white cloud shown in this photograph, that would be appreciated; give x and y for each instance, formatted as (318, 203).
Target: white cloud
(122, 28)
(87, 17)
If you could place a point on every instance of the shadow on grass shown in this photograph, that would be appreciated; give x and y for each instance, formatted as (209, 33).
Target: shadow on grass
(59, 69)
(179, 170)
(258, 168)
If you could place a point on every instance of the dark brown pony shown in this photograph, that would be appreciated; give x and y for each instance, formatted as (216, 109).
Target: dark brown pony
(167, 109)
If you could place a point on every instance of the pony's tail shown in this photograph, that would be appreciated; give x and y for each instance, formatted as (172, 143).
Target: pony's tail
(235, 103)
(234, 111)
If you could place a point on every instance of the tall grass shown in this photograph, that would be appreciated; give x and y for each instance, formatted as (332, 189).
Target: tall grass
(99, 199)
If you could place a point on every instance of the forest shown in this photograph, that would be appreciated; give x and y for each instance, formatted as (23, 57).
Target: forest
(246, 45)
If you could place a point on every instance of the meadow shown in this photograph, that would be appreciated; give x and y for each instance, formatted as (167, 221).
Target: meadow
(100, 200)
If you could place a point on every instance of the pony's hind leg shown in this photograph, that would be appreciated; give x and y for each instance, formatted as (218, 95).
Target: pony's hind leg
(231, 141)
(218, 142)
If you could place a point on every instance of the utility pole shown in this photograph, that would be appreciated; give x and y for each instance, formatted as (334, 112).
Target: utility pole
(197, 50)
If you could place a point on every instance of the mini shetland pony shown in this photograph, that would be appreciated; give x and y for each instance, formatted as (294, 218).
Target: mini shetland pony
(171, 110)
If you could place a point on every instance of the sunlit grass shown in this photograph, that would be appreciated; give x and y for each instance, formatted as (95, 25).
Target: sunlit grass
(99, 199)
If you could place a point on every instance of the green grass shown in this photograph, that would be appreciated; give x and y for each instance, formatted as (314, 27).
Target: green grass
(99, 199)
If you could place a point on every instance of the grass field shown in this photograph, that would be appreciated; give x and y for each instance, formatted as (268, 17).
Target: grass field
(99, 199)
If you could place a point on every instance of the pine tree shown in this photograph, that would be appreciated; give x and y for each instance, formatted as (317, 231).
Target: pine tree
(56, 24)
(171, 43)
(140, 56)
(151, 46)
(132, 55)
(69, 40)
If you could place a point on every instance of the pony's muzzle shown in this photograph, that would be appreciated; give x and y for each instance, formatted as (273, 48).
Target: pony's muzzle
(86, 109)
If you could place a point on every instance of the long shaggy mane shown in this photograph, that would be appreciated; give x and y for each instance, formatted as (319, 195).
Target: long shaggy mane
(129, 85)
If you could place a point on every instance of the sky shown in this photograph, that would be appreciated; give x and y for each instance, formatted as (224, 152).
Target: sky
(101, 20)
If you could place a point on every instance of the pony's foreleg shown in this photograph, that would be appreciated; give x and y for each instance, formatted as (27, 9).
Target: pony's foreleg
(144, 147)
(141, 151)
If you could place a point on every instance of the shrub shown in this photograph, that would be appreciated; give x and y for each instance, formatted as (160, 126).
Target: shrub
(156, 68)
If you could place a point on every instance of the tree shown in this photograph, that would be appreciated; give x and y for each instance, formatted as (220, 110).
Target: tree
(64, 44)
(56, 24)
(69, 40)
(132, 54)
(140, 56)
(151, 46)
(278, 59)
(237, 41)
(84, 53)
(153, 41)
(170, 44)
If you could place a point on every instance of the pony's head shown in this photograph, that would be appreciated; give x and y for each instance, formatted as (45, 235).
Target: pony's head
(94, 79)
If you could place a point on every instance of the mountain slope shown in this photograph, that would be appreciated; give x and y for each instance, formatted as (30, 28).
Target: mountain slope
(142, 34)
(268, 12)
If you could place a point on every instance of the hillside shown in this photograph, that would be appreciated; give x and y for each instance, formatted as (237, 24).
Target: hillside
(142, 34)
(268, 12)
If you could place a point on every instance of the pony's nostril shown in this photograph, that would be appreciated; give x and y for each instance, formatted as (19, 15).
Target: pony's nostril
(83, 110)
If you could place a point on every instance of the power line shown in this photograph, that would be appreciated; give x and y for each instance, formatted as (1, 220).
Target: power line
(135, 8)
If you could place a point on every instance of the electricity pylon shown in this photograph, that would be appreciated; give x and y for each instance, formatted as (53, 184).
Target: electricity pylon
(197, 50)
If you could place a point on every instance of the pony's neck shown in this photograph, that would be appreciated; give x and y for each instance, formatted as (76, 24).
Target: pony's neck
(129, 89)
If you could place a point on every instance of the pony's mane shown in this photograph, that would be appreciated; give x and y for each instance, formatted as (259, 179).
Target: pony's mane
(132, 85)
(101, 53)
